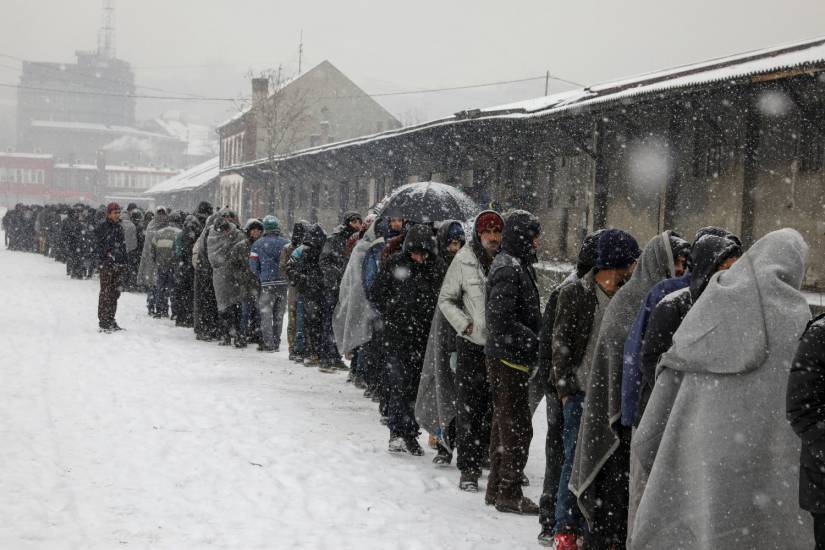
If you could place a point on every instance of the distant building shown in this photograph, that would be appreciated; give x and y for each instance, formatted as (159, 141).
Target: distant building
(187, 189)
(319, 107)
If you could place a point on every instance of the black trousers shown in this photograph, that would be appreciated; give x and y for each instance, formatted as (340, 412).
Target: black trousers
(403, 375)
(474, 416)
(205, 314)
(109, 294)
(819, 530)
(553, 456)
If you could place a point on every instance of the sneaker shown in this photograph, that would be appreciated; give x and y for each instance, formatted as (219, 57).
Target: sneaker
(546, 537)
(338, 364)
(565, 541)
(468, 482)
(443, 458)
(522, 505)
(412, 446)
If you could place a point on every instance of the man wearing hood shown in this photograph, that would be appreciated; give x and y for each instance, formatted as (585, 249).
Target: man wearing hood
(185, 274)
(450, 239)
(306, 273)
(599, 478)
(581, 307)
(163, 256)
(720, 459)
(513, 319)
(462, 301)
(265, 263)
(554, 444)
(223, 236)
(295, 307)
(332, 262)
(405, 293)
(205, 305)
(148, 269)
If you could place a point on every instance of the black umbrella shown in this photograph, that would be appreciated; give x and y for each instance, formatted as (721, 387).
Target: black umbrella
(430, 201)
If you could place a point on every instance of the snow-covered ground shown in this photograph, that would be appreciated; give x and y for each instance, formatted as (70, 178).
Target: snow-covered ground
(149, 438)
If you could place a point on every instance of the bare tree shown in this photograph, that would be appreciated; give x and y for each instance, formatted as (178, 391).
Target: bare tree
(281, 120)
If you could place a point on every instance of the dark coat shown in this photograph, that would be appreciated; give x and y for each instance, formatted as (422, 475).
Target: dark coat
(405, 293)
(512, 311)
(806, 412)
(573, 326)
(304, 270)
(333, 259)
(111, 244)
(242, 277)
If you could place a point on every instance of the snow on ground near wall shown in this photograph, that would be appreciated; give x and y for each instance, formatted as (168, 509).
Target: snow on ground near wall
(148, 438)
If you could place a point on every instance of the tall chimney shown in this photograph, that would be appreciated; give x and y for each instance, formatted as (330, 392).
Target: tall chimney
(260, 90)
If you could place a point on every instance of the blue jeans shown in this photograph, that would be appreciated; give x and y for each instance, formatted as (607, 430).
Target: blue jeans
(568, 516)
(163, 289)
(272, 305)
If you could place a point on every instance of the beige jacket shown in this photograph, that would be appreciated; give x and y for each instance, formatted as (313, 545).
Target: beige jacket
(464, 294)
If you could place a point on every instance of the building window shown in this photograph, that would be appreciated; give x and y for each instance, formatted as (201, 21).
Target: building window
(710, 157)
(810, 149)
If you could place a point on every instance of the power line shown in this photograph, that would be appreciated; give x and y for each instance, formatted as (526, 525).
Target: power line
(203, 98)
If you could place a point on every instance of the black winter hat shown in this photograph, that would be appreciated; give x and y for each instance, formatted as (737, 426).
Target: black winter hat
(588, 253)
(678, 246)
(617, 249)
(350, 216)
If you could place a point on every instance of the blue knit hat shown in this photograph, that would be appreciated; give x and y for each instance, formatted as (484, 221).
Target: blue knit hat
(617, 249)
(456, 233)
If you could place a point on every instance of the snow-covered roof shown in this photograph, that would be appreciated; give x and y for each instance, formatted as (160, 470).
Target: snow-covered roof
(118, 168)
(195, 177)
(800, 55)
(201, 140)
(95, 127)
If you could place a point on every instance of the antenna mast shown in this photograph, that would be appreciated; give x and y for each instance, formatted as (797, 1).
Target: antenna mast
(106, 34)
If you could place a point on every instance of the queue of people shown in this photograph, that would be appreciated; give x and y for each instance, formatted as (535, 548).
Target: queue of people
(664, 369)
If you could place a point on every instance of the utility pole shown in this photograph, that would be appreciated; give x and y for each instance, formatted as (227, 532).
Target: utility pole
(300, 51)
(547, 84)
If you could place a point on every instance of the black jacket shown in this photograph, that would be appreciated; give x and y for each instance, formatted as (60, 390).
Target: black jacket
(512, 309)
(405, 293)
(333, 259)
(806, 413)
(111, 244)
(708, 253)
(572, 330)
(304, 271)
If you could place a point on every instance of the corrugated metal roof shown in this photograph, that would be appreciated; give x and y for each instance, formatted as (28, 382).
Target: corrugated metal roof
(195, 177)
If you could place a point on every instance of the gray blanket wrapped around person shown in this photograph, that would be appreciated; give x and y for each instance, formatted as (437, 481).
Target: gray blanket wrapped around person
(435, 404)
(721, 459)
(598, 438)
(148, 269)
(354, 317)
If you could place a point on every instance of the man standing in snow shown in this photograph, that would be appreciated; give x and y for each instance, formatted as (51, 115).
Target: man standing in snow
(513, 319)
(579, 313)
(111, 253)
(265, 262)
(461, 300)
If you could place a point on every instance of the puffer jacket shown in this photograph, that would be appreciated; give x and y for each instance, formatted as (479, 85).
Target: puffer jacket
(512, 310)
(265, 259)
(463, 293)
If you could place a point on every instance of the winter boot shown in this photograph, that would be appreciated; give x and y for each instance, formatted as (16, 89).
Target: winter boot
(517, 505)
(468, 482)
(338, 364)
(565, 541)
(443, 457)
(413, 447)
(327, 366)
(240, 342)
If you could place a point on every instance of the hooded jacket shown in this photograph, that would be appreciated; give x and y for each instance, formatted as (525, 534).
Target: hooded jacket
(265, 257)
(405, 293)
(708, 254)
(720, 458)
(512, 312)
(442, 240)
(598, 436)
(333, 258)
(303, 267)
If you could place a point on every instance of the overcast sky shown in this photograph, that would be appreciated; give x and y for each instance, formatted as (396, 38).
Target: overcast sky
(207, 46)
